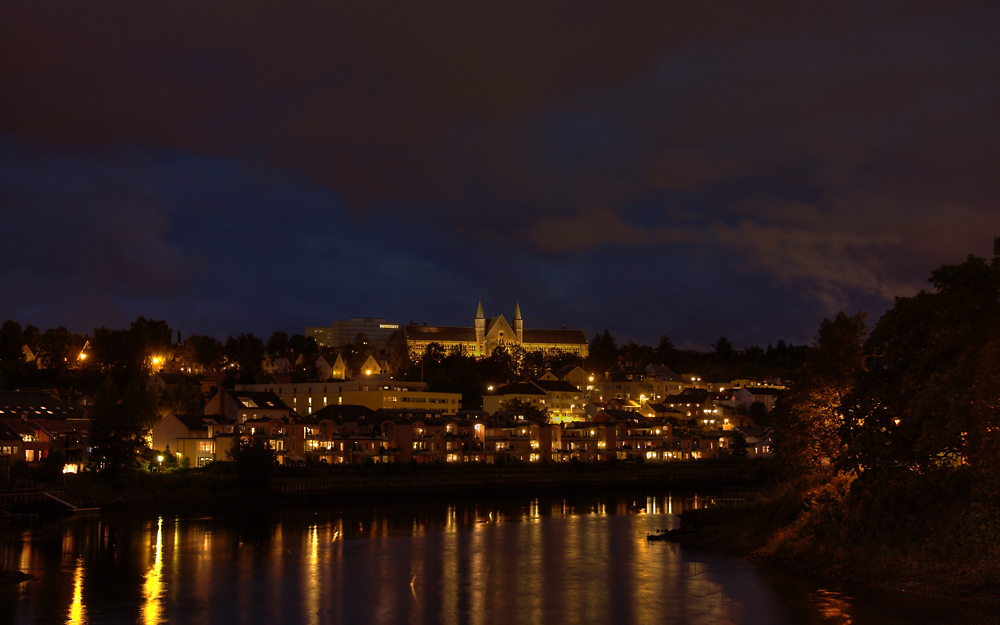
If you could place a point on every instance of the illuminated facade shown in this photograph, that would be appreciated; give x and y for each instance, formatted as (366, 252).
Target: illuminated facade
(374, 392)
(489, 334)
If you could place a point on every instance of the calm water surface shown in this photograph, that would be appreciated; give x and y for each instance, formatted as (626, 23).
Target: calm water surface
(533, 560)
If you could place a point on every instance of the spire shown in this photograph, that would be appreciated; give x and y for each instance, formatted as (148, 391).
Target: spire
(517, 311)
(479, 311)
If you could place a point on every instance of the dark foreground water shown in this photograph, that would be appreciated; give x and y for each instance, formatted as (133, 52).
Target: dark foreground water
(533, 560)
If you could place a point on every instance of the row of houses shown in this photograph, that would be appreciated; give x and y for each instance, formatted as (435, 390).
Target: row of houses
(35, 424)
(352, 434)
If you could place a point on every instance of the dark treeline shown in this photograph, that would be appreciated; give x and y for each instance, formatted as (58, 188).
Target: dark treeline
(457, 373)
(890, 441)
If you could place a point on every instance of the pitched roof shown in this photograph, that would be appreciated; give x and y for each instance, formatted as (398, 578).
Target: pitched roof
(439, 333)
(343, 412)
(520, 388)
(54, 426)
(663, 372)
(408, 414)
(36, 403)
(196, 421)
(561, 337)
(687, 396)
(261, 399)
(615, 374)
(555, 386)
(760, 390)
(663, 408)
(177, 379)
(21, 427)
(618, 415)
(8, 433)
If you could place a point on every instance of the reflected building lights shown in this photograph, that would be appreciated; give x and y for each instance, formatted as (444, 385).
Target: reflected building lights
(153, 588)
(311, 587)
(77, 611)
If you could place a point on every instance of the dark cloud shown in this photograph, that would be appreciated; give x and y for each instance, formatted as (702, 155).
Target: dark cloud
(771, 161)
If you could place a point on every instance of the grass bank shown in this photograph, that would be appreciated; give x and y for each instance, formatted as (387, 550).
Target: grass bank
(816, 529)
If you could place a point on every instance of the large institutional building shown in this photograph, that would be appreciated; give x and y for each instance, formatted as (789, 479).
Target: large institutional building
(489, 334)
(343, 332)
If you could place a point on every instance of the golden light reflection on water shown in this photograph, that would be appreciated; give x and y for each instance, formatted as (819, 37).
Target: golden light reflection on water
(833, 607)
(77, 611)
(152, 590)
(538, 560)
(311, 575)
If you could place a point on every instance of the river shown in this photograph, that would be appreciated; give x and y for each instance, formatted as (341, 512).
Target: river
(580, 558)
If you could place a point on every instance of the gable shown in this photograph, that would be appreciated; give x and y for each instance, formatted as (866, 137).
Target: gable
(497, 329)
(371, 366)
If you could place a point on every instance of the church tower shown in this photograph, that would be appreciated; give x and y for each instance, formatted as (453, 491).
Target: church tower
(480, 326)
(518, 323)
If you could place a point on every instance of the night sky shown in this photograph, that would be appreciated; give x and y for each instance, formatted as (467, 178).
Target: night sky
(695, 169)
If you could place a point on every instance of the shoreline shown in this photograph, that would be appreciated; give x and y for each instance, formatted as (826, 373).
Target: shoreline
(199, 491)
(727, 532)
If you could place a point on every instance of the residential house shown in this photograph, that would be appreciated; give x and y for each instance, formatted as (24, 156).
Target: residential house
(749, 395)
(330, 367)
(759, 441)
(586, 442)
(564, 401)
(11, 445)
(177, 426)
(652, 383)
(638, 438)
(709, 445)
(240, 406)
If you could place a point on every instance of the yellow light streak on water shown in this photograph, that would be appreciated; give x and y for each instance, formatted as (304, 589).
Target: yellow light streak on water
(311, 572)
(77, 611)
(152, 590)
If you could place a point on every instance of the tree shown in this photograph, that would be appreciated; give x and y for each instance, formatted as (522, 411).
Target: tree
(153, 336)
(305, 345)
(205, 352)
(499, 366)
(807, 425)
(603, 351)
(255, 462)
(738, 446)
(665, 352)
(181, 399)
(723, 348)
(758, 412)
(54, 348)
(277, 343)
(927, 401)
(245, 359)
(11, 353)
(121, 419)
(527, 410)
(127, 355)
(32, 337)
(635, 356)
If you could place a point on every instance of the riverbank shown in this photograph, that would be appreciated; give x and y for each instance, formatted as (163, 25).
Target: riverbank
(209, 491)
(796, 531)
